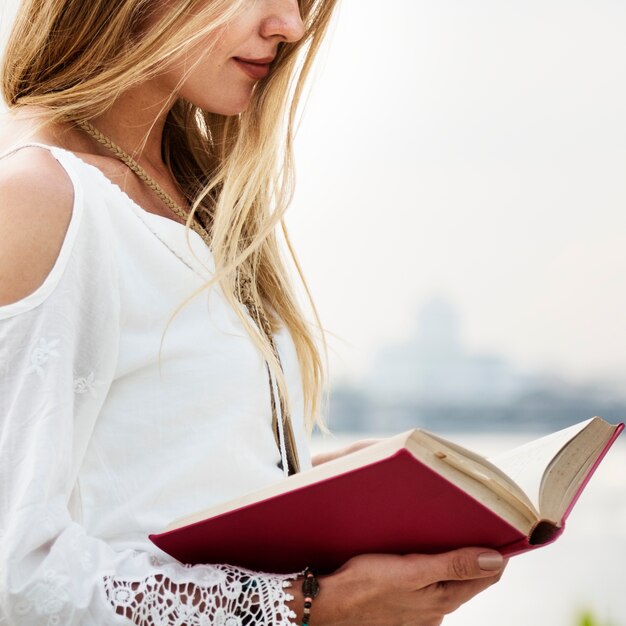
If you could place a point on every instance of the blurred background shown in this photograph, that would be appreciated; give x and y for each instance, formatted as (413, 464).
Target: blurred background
(460, 210)
(460, 217)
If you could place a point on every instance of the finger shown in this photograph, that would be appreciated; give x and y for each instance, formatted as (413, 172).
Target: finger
(362, 443)
(463, 564)
(450, 595)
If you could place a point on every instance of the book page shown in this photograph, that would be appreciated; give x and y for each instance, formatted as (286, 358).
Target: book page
(569, 471)
(526, 464)
(502, 491)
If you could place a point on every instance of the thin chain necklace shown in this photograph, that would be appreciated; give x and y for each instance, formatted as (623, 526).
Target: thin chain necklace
(243, 290)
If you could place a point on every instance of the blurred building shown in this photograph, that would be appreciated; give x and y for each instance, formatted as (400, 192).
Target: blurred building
(432, 381)
(433, 365)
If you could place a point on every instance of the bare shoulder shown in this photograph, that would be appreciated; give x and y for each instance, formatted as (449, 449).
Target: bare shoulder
(36, 201)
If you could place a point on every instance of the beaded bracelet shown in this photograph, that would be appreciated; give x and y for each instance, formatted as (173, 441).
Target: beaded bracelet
(310, 589)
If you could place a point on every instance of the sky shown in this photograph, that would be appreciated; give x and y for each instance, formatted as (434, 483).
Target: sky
(476, 150)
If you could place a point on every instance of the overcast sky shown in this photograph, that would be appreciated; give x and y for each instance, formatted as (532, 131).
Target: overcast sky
(476, 149)
(473, 148)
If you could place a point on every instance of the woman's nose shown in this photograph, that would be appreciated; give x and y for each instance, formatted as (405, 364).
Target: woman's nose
(284, 20)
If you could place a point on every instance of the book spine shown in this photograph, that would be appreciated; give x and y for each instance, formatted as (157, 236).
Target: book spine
(525, 545)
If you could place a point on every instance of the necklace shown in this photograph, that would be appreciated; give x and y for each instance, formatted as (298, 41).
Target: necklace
(283, 432)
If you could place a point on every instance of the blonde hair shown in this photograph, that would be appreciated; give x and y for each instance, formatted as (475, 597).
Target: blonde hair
(73, 58)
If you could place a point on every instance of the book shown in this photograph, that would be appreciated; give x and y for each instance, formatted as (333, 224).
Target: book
(414, 492)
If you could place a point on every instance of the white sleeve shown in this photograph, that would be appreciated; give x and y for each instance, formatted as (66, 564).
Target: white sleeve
(58, 352)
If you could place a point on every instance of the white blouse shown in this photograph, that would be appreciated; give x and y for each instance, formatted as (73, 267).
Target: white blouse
(104, 439)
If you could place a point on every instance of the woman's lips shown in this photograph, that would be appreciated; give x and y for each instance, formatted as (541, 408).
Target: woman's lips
(254, 70)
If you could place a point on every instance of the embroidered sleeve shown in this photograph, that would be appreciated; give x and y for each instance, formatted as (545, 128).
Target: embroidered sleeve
(58, 354)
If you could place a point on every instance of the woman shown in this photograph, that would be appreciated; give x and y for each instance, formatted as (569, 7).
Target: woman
(153, 356)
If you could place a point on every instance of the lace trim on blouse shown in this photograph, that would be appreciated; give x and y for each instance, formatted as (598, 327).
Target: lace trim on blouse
(219, 595)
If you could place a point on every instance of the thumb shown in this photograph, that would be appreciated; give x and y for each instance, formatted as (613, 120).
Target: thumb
(466, 564)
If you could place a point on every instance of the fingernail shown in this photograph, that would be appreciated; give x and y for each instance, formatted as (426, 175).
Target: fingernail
(490, 561)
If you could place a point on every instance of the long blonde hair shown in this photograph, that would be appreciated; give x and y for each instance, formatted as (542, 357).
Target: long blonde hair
(73, 58)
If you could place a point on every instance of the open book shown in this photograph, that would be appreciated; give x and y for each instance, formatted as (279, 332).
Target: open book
(414, 492)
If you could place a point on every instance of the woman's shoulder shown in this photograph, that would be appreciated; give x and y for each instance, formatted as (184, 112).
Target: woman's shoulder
(36, 205)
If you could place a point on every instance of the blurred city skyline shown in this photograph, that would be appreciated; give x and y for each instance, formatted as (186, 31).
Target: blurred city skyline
(477, 150)
(432, 379)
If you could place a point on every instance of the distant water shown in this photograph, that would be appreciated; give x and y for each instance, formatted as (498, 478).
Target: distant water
(585, 570)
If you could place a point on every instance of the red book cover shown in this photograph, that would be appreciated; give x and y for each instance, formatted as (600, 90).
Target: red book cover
(395, 505)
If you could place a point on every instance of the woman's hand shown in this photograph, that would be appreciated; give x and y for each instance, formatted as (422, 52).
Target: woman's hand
(409, 590)
(324, 457)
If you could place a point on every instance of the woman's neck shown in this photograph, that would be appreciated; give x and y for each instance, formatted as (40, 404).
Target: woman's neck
(135, 122)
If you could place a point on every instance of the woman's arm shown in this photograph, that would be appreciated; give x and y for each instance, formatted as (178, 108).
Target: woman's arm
(59, 327)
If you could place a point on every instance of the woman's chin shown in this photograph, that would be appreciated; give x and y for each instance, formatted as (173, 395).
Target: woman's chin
(230, 108)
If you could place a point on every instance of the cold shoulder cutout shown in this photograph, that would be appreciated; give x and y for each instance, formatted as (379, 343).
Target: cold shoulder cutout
(113, 423)
(39, 212)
